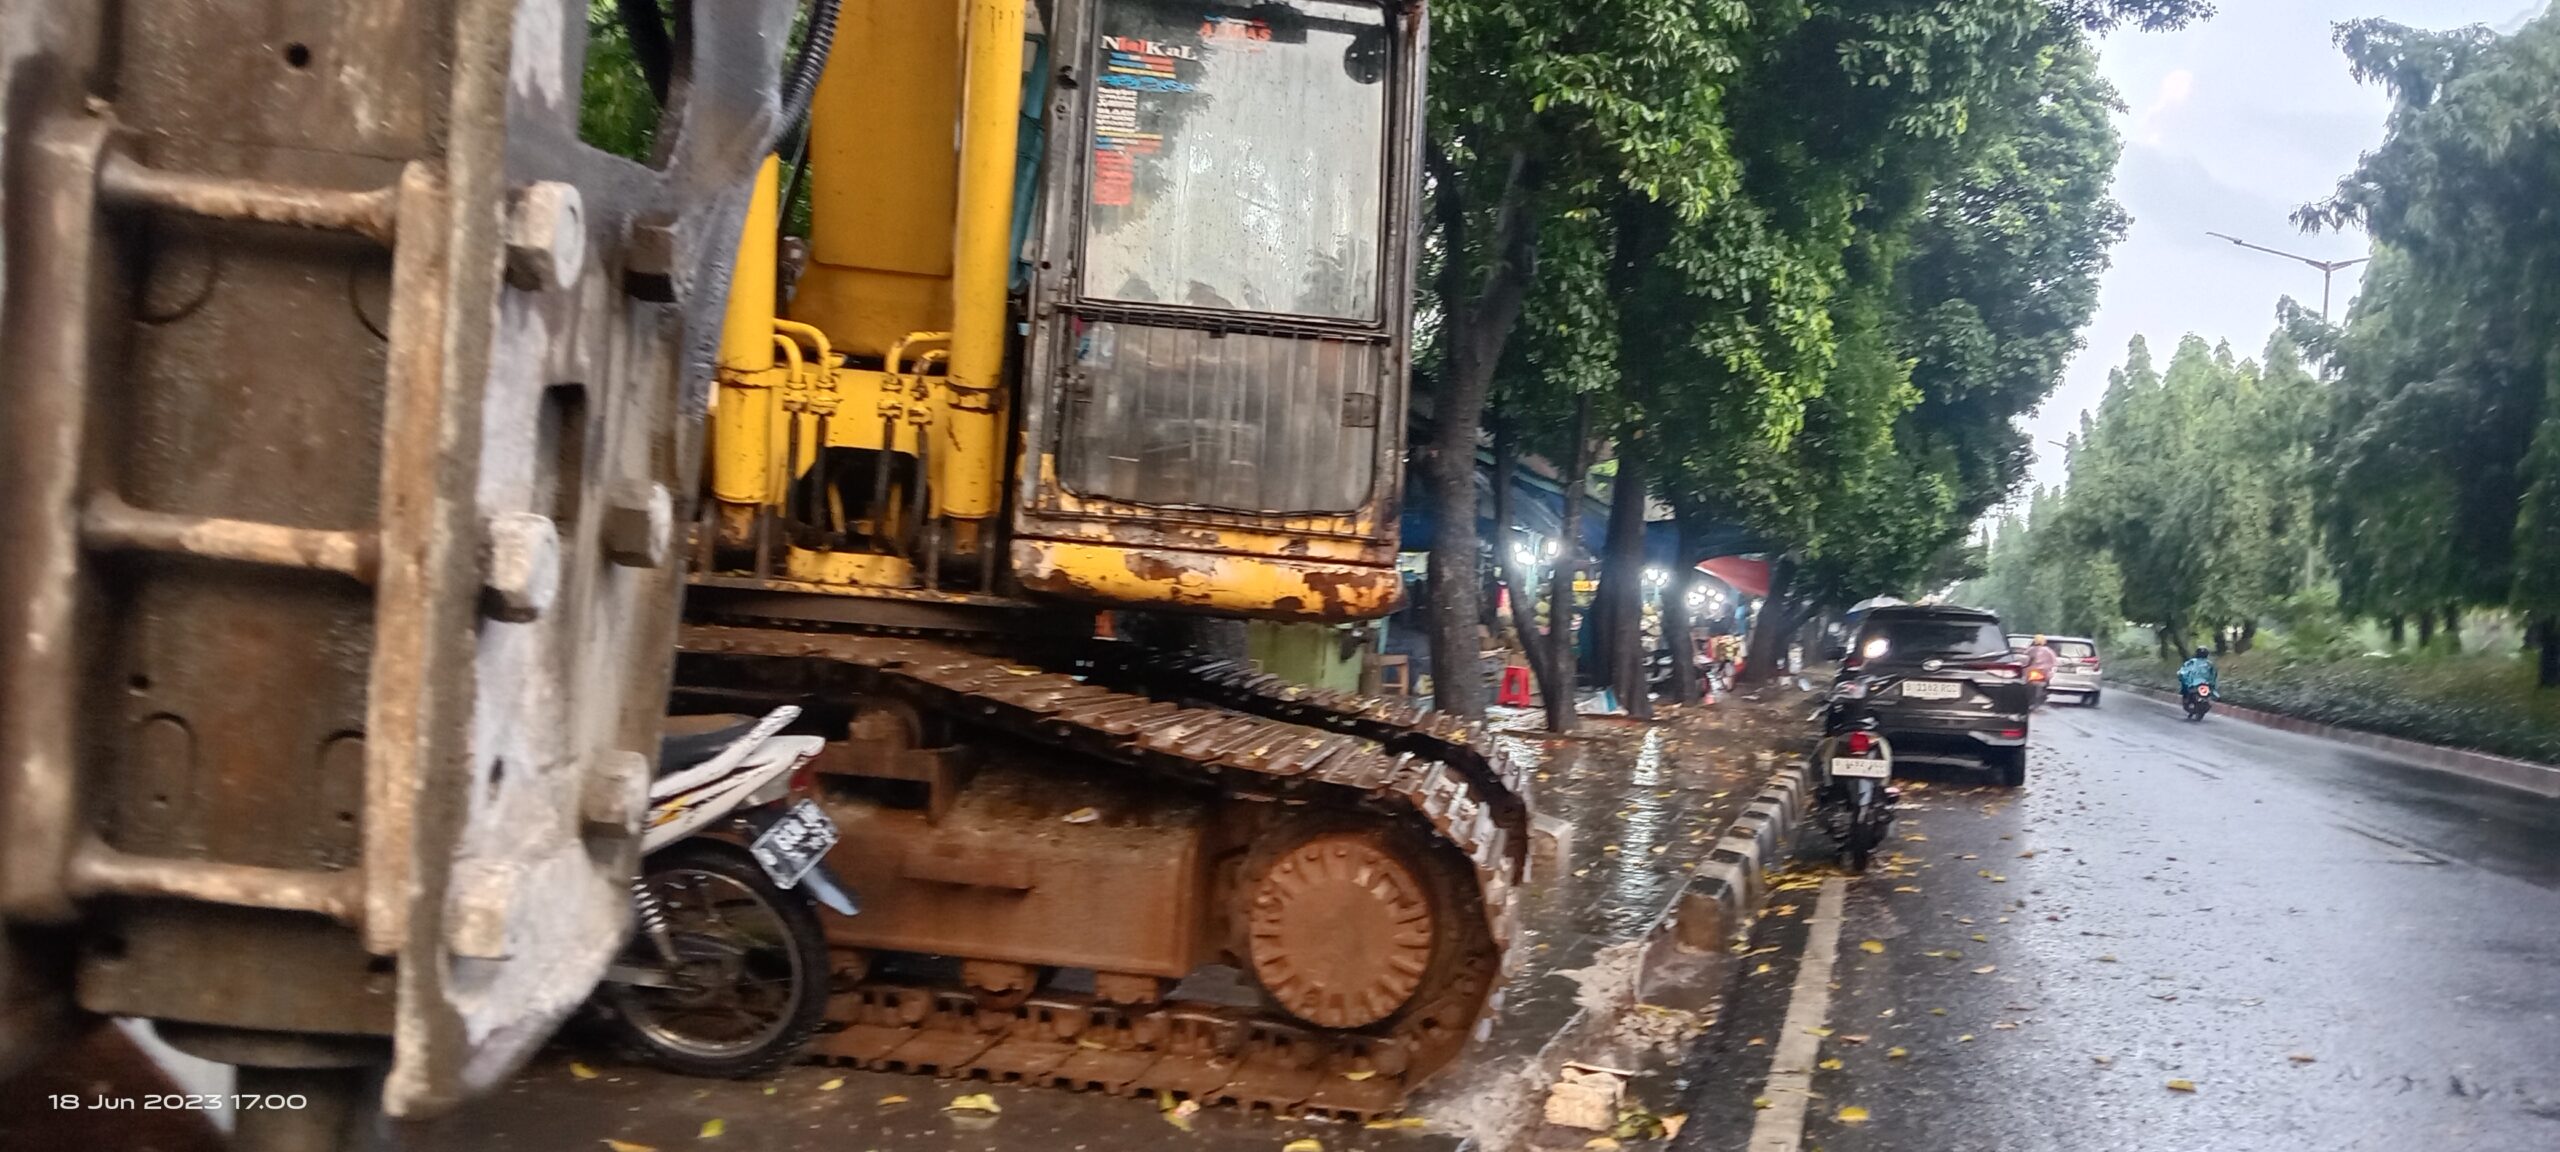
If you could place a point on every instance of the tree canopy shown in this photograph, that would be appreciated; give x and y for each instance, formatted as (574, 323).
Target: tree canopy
(2422, 477)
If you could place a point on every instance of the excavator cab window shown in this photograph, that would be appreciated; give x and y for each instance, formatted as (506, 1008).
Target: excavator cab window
(1236, 298)
(1238, 158)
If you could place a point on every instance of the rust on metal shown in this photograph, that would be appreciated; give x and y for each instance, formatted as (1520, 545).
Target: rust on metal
(372, 213)
(110, 524)
(1227, 583)
(1427, 810)
(97, 870)
(1341, 931)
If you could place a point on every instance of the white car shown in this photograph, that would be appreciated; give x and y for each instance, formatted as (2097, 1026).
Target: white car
(2075, 665)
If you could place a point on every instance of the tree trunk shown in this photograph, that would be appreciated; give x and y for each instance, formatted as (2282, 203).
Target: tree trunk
(2221, 640)
(1771, 625)
(1560, 663)
(2427, 628)
(1622, 583)
(1523, 584)
(1478, 326)
(2248, 635)
(2548, 665)
(1678, 632)
(2453, 627)
(2399, 631)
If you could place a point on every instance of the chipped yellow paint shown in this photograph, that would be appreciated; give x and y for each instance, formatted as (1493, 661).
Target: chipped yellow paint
(840, 569)
(1271, 588)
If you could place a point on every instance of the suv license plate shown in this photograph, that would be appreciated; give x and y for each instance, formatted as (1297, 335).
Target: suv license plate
(1931, 689)
(1861, 767)
(795, 843)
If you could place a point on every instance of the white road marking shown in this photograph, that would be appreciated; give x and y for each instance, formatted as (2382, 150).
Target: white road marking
(1780, 1126)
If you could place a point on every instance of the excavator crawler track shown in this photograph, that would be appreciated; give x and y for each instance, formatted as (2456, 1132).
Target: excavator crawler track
(1439, 794)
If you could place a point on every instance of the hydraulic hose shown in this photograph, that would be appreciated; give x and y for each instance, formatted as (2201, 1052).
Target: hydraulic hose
(801, 83)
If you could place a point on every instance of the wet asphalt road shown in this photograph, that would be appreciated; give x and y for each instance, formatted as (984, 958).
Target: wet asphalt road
(2337, 951)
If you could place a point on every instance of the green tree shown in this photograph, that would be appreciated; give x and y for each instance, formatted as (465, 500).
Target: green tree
(2445, 437)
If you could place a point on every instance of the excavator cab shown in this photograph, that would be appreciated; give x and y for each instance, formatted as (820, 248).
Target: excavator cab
(1214, 384)
(1139, 340)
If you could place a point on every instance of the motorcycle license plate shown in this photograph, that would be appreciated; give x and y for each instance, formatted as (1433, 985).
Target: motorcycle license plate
(795, 843)
(1863, 768)
(1932, 689)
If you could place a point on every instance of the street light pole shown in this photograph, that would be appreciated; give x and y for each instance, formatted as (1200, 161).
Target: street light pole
(2327, 268)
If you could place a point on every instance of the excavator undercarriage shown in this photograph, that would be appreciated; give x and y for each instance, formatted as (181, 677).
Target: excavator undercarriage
(1141, 875)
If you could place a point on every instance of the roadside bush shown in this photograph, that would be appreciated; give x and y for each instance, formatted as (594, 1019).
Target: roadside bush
(2482, 701)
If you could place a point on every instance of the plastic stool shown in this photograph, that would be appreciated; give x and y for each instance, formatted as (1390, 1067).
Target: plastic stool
(1515, 687)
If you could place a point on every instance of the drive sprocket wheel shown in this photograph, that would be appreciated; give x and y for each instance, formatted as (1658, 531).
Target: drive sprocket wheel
(1340, 931)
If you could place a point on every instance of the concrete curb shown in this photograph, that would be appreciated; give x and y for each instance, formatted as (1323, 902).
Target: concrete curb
(2507, 772)
(1717, 902)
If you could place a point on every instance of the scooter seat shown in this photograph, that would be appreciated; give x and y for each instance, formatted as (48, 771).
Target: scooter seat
(685, 750)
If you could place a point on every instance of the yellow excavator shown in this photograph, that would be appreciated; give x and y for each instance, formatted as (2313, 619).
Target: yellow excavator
(1143, 348)
(380, 449)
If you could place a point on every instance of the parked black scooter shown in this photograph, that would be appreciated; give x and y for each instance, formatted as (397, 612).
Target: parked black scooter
(1853, 794)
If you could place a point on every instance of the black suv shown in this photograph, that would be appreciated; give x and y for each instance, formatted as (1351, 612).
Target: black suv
(1940, 683)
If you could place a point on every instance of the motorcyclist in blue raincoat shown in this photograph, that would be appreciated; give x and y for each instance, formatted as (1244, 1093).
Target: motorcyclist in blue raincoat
(2198, 670)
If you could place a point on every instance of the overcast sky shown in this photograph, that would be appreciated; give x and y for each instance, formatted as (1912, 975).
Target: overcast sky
(2227, 127)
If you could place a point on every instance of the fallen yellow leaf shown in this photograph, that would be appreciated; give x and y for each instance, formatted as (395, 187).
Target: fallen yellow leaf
(1406, 1122)
(2301, 1057)
(1986, 970)
(1829, 1064)
(2182, 1085)
(1762, 970)
(1671, 1124)
(1760, 1102)
(713, 1127)
(1852, 1115)
(2004, 1025)
(1906, 887)
(1819, 1030)
(613, 1145)
(832, 1085)
(1896, 1053)
(1083, 816)
(1979, 938)
(1362, 1074)
(1309, 1145)
(1596, 1143)
(1937, 1011)
(1871, 946)
(1755, 1042)
(2109, 958)
(1967, 1038)
(581, 1071)
(973, 1102)
(890, 1099)
(2103, 1061)
(1853, 1038)
(770, 1089)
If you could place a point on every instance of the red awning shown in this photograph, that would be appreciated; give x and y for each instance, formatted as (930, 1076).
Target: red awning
(1749, 577)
